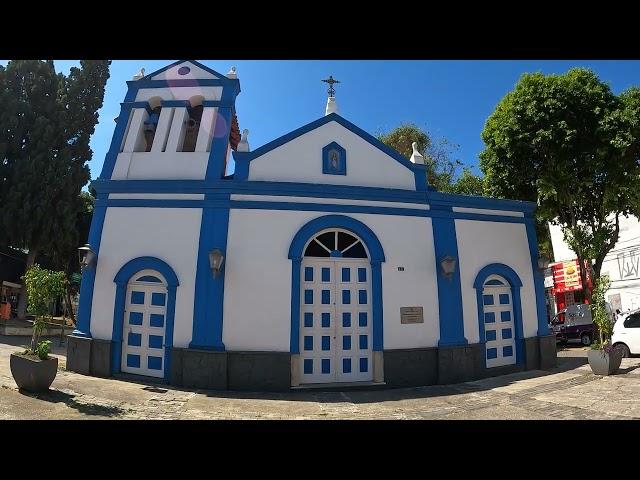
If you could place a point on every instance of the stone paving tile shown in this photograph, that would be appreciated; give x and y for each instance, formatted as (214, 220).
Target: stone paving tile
(572, 393)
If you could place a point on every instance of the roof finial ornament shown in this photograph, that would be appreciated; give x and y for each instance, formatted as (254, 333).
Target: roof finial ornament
(139, 75)
(232, 73)
(331, 81)
(416, 156)
(332, 106)
(243, 144)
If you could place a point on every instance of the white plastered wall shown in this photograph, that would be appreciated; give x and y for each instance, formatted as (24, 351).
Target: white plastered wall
(300, 160)
(170, 234)
(257, 302)
(481, 243)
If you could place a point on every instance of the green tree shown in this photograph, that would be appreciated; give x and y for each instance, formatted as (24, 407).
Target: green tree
(441, 168)
(467, 184)
(46, 121)
(43, 288)
(570, 144)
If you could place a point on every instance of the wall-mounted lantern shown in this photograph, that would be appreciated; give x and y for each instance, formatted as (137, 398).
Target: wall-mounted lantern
(86, 256)
(448, 266)
(216, 259)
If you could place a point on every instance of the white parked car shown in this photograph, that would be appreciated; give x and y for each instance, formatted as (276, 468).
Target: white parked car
(626, 333)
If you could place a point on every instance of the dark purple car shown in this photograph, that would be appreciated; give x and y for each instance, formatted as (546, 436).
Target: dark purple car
(573, 323)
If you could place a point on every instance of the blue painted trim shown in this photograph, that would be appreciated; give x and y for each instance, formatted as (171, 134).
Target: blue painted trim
(144, 105)
(193, 62)
(294, 345)
(470, 201)
(538, 279)
(142, 263)
(326, 167)
(420, 174)
(182, 82)
(223, 202)
(296, 250)
(241, 172)
(377, 318)
(121, 280)
(376, 256)
(216, 165)
(515, 283)
(332, 117)
(209, 290)
(116, 141)
(83, 325)
(313, 207)
(449, 289)
(308, 190)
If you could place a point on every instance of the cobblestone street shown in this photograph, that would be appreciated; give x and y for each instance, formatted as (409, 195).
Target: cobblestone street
(570, 391)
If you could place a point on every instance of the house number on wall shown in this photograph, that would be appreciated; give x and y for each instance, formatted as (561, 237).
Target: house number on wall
(411, 315)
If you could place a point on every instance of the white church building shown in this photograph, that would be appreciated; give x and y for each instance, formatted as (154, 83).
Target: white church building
(325, 258)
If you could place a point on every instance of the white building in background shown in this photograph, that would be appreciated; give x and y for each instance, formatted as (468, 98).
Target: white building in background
(622, 263)
(325, 258)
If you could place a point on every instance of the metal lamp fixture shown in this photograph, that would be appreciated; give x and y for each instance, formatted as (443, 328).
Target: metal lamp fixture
(86, 256)
(448, 266)
(216, 259)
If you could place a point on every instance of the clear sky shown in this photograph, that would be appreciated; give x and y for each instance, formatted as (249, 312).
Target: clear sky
(450, 99)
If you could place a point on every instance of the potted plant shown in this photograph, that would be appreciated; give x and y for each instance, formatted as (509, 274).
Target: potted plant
(604, 359)
(33, 369)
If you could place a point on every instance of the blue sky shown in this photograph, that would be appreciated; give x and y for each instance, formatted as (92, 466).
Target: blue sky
(450, 99)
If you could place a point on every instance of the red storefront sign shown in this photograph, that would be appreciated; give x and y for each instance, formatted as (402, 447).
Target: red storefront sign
(566, 277)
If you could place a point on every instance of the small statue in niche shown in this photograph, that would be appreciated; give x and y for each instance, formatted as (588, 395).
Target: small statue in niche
(334, 160)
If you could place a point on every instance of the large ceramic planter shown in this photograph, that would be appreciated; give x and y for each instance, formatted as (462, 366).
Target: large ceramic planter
(32, 374)
(603, 363)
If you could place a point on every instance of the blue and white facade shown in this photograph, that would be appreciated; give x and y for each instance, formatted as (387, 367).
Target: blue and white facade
(326, 235)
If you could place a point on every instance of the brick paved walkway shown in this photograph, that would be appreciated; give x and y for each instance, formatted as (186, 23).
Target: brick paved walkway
(571, 391)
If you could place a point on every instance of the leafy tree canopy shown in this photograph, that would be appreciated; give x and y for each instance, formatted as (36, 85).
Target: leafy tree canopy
(441, 167)
(570, 144)
(46, 121)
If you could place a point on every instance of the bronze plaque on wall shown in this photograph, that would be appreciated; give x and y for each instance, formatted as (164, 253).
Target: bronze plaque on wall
(411, 315)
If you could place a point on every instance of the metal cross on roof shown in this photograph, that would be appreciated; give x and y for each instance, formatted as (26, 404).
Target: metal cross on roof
(331, 81)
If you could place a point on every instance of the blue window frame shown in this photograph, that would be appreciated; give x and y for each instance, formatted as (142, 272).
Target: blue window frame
(326, 297)
(326, 274)
(308, 319)
(346, 297)
(326, 320)
(135, 318)
(362, 274)
(362, 297)
(137, 298)
(156, 320)
(346, 365)
(346, 319)
(346, 274)
(308, 274)
(326, 365)
(158, 299)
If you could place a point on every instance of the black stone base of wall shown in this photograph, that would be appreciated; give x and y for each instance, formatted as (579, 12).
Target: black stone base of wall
(271, 371)
(89, 356)
(243, 371)
(456, 364)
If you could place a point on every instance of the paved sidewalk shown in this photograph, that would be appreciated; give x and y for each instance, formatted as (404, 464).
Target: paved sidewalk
(571, 391)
